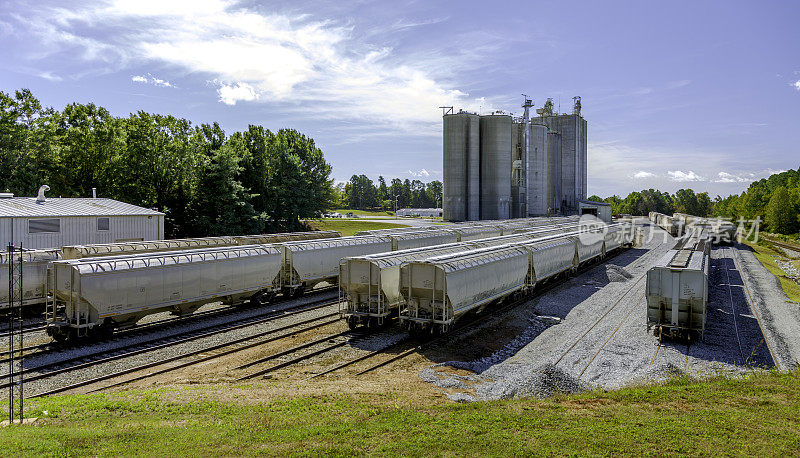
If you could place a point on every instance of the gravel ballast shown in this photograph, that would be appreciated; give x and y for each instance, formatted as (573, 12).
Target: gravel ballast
(619, 350)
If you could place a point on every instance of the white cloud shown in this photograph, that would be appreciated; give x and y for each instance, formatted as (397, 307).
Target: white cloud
(642, 174)
(280, 59)
(420, 173)
(678, 175)
(797, 85)
(150, 79)
(725, 177)
(50, 76)
(230, 94)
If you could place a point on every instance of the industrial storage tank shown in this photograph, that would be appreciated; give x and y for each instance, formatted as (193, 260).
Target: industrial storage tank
(461, 168)
(537, 170)
(554, 196)
(495, 136)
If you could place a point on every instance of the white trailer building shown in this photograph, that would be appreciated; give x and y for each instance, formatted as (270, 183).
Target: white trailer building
(423, 212)
(39, 222)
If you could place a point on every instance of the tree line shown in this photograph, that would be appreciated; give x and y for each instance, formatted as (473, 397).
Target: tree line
(361, 193)
(205, 181)
(774, 200)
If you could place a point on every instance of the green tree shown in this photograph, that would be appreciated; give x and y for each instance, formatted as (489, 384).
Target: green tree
(222, 205)
(299, 184)
(383, 190)
(781, 214)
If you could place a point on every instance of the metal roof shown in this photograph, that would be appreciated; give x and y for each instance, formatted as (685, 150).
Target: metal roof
(21, 207)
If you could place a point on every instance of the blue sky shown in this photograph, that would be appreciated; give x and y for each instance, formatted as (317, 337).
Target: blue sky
(677, 94)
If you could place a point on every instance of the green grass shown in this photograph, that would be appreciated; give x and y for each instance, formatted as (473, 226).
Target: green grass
(765, 255)
(755, 416)
(345, 211)
(350, 226)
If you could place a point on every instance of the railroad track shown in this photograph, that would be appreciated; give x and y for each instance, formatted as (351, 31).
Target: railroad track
(26, 328)
(733, 307)
(339, 340)
(154, 326)
(139, 348)
(547, 288)
(781, 244)
(602, 317)
(685, 353)
(328, 343)
(614, 330)
(752, 305)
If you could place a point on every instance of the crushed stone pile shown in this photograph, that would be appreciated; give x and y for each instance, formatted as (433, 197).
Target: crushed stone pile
(617, 273)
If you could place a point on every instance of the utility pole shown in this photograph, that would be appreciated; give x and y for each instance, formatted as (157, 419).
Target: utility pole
(395, 204)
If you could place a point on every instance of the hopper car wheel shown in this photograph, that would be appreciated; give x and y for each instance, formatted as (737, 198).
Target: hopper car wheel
(299, 291)
(375, 323)
(352, 323)
(60, 337)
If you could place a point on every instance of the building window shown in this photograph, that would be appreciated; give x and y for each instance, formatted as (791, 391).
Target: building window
(103, 224)
(38, 226)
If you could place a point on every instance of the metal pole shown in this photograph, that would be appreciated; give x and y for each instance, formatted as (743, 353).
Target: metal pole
(10, 329)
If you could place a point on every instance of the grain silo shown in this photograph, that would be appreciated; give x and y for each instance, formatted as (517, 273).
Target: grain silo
(537, 171)
(495, 166)
(572, 128)
(554, 197)
(461, 167)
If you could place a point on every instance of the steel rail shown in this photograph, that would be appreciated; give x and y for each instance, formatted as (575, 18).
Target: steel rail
(145, 347)
(613, 333)
(753, 307)
(733, 310)
(193, 353)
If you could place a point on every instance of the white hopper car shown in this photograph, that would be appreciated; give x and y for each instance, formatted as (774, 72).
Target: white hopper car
(284, 237)
(437, 291)
(34, 276)
(306, 264)
(155, 246)
(369, 285)
(677, 289)
(104, 293)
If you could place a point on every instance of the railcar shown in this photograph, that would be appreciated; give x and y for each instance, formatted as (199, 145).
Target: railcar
(93, 295)
(407, 240)
(34, 277)
(677, 289)
(152, 246)
(370, 285)
(551, 257)
(439, 290)
(308, 263)
(284, 237)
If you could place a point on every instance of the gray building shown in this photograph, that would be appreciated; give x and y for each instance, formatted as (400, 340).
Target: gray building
(47, 222)
(601, 210)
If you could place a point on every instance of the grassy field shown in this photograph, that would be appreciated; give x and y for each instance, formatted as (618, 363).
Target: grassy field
(344, 211)
(765, 256)
(755, 416)
(350, 226)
